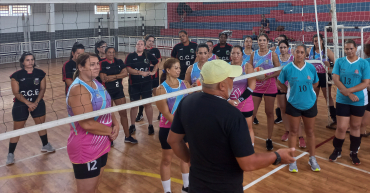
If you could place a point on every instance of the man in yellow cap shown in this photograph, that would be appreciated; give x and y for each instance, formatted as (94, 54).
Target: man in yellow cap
(218, 136)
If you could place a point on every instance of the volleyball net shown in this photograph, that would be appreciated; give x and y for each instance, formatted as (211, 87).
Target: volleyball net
(49, 30)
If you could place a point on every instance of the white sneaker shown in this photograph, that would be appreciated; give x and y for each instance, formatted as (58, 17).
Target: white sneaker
(48, 148)
(10, 159)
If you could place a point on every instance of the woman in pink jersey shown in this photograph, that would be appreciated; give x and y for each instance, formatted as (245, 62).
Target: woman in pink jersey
(241, 95)
(170, 83)
(90, 139)
(264, 59)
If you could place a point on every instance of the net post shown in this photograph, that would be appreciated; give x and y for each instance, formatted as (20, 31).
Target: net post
(362, 43)
(335, 28)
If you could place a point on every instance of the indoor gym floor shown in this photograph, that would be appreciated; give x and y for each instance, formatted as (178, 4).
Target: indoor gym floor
(135, 168)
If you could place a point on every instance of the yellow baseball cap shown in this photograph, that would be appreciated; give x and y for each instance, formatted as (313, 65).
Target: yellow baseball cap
(216, 71)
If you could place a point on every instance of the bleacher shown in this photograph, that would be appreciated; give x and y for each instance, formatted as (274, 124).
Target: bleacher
(243, 18)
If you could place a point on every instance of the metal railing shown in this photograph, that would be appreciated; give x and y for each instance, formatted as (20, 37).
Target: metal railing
(11, 52)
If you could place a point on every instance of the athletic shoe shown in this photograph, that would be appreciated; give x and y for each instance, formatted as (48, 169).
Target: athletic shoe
(302, 143)
(278, 120)
(293, 167)
(132, 129)
(10, 159)
(139, 117)
(255, 121)
(269, 145)
(184, 190)
(357, 149)
(130, 140)
(354, 158)
(285, 136)
(48, 148)
(335, 155)
(314, 165)
(150, 130)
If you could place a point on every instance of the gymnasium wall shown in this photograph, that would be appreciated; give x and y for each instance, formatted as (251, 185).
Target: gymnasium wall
(243, 18)
(79, 20)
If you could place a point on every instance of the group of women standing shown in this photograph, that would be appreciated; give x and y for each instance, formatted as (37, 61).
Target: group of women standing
(94, 82)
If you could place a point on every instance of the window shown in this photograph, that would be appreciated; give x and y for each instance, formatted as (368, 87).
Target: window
(15, 10)
(122, 9)
(101, 9)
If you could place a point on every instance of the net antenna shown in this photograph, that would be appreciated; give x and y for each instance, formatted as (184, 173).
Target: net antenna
(100, 23)
(26, 33)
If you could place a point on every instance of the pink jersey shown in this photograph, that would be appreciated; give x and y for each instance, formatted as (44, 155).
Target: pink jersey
(238, 88)
(83, 146)
(172, 102)
(267, 86)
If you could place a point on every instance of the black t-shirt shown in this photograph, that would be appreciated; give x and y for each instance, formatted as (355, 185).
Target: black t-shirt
(157, 54)
(223, 52)
(113, 68)
(186, 55)
(29, 84)
(141, 63)
(217, 133)
(68, 70)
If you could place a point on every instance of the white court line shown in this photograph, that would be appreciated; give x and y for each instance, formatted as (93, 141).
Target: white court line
(342, 164)
(62, 148)
(271, 172)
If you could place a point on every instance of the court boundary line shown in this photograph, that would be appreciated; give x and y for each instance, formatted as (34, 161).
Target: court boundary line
(342, 164)
(271, 172)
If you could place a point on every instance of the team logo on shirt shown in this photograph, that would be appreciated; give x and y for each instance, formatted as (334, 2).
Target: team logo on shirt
(22, 79)
(153, 54)
(108, 68)
(74, 69)
(36, 81)
(146, 61)
(227, 52)
(356, 71)
(192, 50)
(98, 96)
(308, 77)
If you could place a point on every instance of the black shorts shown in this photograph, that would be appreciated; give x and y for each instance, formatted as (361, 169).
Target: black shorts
(143, 90)
(163, 135)
(261, 95)
(116, 93)
(90, 169)
(281, 93)
(348, 110)
(20, 111)
(322, 80)
(309, 113)
(247, 114)
(368, 103)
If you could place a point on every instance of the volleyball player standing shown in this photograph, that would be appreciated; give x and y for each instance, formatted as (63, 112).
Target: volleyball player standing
(302, 103)
(185, 52)
(100, 47)
(89, 140)
(149, 42)
(241, 95)
(28, 86)
(112, 71)
(264, 58)
(366, 117)
(140, 82)
(193, 72)
(222, 49)
(351, 75)
(170, 83)
(70, 66)
(285, 58)
(314, 54)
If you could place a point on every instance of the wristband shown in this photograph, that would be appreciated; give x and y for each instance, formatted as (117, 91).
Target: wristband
(245, 94)
(278, 158)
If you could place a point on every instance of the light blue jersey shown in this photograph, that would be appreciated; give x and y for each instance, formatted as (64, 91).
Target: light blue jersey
(300, 93)
(352, 74)
(290, 59)
(246, 57)
(368, 60)
(195, 73)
